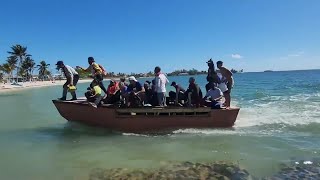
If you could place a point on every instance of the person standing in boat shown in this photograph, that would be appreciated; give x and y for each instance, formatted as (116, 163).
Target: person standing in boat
(194, 93)
(72, 80)
(229, 77)
(97, 72)
(212, 76)
(161, 81)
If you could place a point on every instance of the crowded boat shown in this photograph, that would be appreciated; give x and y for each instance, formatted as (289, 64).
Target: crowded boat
(135, 94)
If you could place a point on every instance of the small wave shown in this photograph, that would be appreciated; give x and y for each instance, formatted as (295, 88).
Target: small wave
(138, 135)
(258, 132)
(204, 131)
(296, 109)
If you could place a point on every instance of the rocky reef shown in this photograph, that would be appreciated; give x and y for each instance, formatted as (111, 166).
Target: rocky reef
(185, 170)
(298, 170)
(208, 171)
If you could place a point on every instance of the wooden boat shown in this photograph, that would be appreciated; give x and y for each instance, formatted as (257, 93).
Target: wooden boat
(147, 119)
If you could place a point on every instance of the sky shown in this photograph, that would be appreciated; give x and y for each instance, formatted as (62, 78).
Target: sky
(137, 35)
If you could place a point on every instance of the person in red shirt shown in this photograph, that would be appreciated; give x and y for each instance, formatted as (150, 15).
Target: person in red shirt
(113, 92)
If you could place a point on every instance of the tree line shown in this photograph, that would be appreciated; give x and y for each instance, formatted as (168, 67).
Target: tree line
(21, 62)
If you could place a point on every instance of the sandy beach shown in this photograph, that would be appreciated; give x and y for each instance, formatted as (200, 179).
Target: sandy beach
(37, 84)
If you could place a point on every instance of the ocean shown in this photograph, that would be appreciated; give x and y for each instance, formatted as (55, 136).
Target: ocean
(279, 122)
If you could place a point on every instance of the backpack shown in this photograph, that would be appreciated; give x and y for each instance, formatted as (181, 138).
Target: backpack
(104, 72)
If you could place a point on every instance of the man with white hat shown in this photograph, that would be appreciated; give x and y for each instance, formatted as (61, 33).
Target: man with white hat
(135, 89)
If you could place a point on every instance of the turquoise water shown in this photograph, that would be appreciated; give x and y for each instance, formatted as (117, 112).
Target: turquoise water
(278, 123)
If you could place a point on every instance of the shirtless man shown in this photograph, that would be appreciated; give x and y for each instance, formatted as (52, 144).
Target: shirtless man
(228, 75)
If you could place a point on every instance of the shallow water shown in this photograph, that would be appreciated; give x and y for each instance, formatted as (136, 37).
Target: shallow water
(278, 123)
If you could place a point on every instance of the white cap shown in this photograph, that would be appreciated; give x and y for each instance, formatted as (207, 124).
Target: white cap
(132, 78)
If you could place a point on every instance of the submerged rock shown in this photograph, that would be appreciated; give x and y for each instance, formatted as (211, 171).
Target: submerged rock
(185, 170)
(298, 170)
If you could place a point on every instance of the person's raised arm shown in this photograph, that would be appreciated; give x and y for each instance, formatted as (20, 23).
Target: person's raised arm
(83, 69)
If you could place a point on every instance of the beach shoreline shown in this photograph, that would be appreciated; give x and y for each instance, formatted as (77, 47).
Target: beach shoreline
(7, 87)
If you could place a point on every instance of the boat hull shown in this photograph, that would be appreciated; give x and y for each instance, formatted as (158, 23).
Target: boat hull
(146, 119)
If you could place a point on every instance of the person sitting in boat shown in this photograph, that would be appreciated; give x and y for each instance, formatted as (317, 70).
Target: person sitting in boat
(212, 76)
(97, 72)
(123, 79)
(222, 82)
(113, 93)
(161, 81)
(229, 77)
(148, 92)
(93, 94)
(154, 101)
(213, 98)
(72, 80)
(135, 93)
(193, 93)
(179, 95)
(123, 92)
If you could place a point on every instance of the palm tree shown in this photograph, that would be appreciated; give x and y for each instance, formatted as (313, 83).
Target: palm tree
(27, 67)
(10, 65)
(7, 68)
(18, 52)
(43, 69)
(1, 72)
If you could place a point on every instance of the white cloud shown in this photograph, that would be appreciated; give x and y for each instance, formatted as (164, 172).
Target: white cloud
(296, 54)
(236, 56)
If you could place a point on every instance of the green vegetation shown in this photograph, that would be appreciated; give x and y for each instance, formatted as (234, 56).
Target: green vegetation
(43, 70)
(27, 68)
(20, 62)
(191, 72)
(20, 53)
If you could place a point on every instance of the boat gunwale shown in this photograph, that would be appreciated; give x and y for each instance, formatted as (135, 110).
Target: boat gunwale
(171, 109)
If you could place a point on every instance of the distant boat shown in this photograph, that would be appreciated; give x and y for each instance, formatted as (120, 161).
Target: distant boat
(268, 71)
(147, 119)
